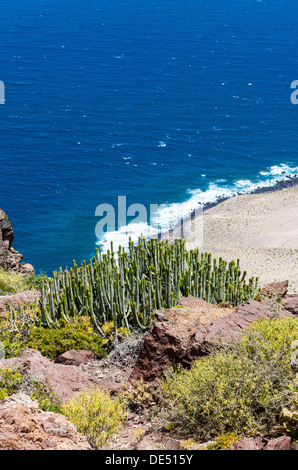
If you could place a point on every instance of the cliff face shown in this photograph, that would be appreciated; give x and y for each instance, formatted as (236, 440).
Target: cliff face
(10, 258)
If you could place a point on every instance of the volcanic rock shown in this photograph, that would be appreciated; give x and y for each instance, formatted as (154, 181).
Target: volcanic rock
(23, 426)
(193, 330)
(64, 380)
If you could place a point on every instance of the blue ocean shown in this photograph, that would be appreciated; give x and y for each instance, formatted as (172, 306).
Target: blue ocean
(161, 101)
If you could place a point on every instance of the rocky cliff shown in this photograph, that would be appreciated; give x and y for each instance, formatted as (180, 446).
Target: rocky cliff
(9, 258)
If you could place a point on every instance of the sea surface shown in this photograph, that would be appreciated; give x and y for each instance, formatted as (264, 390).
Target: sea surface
(162, 101)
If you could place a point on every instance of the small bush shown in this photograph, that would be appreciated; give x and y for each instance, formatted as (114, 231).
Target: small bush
(224, 441)
(15, 328)
(108, 328)
(137, 396)
(45, 397)
(10, 282)
(95, 414)
(10, 382)
(78, 334)
(35, 281)
(241, 390)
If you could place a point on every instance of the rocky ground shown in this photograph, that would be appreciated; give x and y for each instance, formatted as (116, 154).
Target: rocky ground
(179, 335)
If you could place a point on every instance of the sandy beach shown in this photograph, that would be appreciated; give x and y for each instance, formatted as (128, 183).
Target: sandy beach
(260, 229)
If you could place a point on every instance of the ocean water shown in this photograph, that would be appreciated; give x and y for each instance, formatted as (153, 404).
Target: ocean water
(161, 101)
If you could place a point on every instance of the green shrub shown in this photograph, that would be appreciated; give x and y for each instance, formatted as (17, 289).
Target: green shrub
(35, 281)
(13, 282)
(241, 390)
(95, 414)
(10, 382)
(224, 441)
(45, 396)
(10, 282)
(15, 329)
(78, 334)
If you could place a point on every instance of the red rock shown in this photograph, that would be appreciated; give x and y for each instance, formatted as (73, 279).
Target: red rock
(162, 348)
(75, 358)
(23, 426)
(192, 331)
(22, 298)
(290, 303)
(26, 269)
(64, 380)
(280, 443)
(248, 444)
(279, 289)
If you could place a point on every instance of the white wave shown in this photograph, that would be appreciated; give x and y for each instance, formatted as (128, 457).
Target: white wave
(167, 216)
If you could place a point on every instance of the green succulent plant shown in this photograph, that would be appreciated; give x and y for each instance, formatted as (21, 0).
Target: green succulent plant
(126, 287)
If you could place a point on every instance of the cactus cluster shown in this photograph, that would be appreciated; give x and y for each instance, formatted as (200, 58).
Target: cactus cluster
(127, 286)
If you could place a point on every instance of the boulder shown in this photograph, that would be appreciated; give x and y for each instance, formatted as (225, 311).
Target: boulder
(290, 303)
(64, 380)
(278, 289)
(26, 269)
(75, 358)
(228, 328)
(193, 330)
(167, 341)
(22, 298)
(23, 426)
(248, 444)
(280, 443)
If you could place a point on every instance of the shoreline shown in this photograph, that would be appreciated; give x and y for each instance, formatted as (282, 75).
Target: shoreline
(290, 182)
(260, 228)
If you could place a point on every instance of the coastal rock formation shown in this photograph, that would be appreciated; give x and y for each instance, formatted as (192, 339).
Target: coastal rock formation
(22, 298)
(192, 330)
(9, 258)
(25, 427)
(64, 380)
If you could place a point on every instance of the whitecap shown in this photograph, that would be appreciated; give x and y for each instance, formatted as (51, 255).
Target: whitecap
(168, 216)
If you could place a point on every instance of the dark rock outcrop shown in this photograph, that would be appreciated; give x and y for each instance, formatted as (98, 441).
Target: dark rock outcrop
(290, 303)
(9, 258)
(278, 289)
(23, 426)
(193, 330)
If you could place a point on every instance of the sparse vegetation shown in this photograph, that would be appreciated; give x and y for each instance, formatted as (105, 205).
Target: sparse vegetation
(95, 414)
(78, 334)
(127, 287)
(240, 390)
(10, 381)
(45, 396)
(12, 282)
